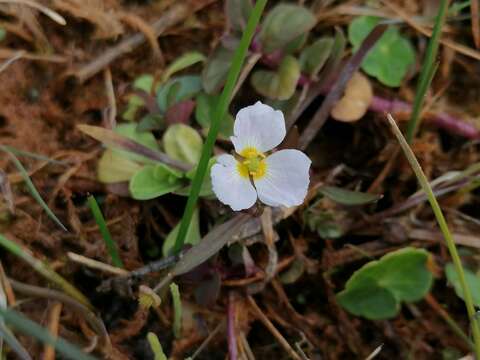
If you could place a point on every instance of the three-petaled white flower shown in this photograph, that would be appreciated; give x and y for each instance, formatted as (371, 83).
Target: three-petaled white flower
(279, 179)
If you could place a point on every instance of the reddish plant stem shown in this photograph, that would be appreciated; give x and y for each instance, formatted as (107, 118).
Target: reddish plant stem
(231, 338)
(442, 120)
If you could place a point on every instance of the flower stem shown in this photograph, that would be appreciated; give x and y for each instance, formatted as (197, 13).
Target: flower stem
(422, 179)
(218, 114)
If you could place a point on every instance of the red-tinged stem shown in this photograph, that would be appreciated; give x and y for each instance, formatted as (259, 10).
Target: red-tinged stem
(231, 338)
(442, 120)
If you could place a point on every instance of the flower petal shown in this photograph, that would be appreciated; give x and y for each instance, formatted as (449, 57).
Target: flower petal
(258, 126)
(286, 180)
(231, 188)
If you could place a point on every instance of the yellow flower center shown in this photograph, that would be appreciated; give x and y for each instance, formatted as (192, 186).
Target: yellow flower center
(253, 165)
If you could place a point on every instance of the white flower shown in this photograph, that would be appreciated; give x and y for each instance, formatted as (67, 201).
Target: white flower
(279, 179)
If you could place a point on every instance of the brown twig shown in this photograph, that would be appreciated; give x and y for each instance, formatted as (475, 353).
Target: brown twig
(171, 17)
(231, 324)
(475, 12)
(336, 91)
(268, 324)
(53, 325)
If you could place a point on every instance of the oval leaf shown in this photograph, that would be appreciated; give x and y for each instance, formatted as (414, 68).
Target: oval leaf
(348, 197)
(178, 89)
(314, 57)
(184, 61)
(402, 274)
(153, 181)
(215, 72)
(284, 23)
(356, 100)
(280, 85)
(238, 12)
(112, 167)
(183, 143)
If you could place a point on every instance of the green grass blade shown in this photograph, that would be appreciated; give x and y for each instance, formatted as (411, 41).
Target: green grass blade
(422, 179)
(35, 156)
(218, 114)
(33, 191)
(177, 310)
(156, 347)
(44, 270)
(28, 327)
(427, 71)
(107, 238)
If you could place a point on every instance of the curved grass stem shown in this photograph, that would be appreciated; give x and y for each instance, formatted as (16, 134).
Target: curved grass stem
(442, 223)
(218, 115)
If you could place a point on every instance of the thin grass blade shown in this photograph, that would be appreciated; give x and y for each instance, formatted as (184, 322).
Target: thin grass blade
(422, 179)
(33, 190)
(44, 270)
(28, 327)
(426, 74)
(218, 114)
(107, 238)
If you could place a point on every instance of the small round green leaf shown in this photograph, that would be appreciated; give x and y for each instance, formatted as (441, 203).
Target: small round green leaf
(403, 274)
(178, 89)
(183, 143)
(278, 85)
(315, 56)
(370, 301)
(112, 167)
(153, 181)
(238, 12)
(284, 23)
(391, 57)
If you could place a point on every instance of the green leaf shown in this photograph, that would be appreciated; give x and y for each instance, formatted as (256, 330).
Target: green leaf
(135, 103)
(193, 235)
(278, 85)
(183, 143)
(206, 188)
(348, 197)
(177, 310)
(178, 89)
(150, 122)
(402, 275)
(156, 347)
(186, 60)
(144, 83)
(205, 104)
(472, 279)
(113, 167)
(370, 301)
(144, 138)
(216, 69)
(153, 181)
(390, 58)
(3, 34)
(315, 56)
(237, 12)
(284, 23)
(110, 244)
(31, 187)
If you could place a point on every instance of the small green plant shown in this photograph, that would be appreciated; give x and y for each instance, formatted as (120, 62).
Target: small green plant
(376, 290)
(392, 56)
(156, 347)
(147, 178)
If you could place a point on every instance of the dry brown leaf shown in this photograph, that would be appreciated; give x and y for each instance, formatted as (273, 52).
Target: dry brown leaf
(356, 100)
